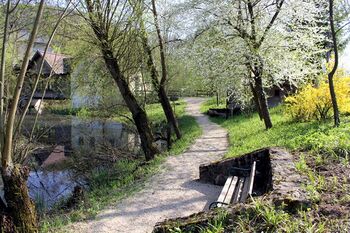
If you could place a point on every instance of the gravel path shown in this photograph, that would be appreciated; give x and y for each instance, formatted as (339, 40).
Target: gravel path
(173, 192)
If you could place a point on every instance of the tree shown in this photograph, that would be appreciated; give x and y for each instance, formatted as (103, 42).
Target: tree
(255, 62)
(159, 85)
(275, 40)
(113, 24)
(335, 66)
(2, 75)
(19, 205)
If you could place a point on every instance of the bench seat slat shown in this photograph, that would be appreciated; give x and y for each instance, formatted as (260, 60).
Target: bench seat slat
(248, 184)
(238, 190)
(245, 190)
(252, 177)
(225, 190)
(231, 190)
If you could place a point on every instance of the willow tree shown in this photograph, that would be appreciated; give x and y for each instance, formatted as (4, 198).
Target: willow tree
(158, 81)
(114, 24)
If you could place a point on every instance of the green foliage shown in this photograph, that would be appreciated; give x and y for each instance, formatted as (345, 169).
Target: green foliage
(60, 107)
(314, 102)
(83, 112)
(301, 165)
(271, 217)
(217, 224)
(155, 111)
(261, 216)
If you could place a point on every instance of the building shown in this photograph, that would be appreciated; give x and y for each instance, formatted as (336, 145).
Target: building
(55, 75)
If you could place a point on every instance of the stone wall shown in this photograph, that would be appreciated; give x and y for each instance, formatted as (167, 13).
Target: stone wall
(287, 181)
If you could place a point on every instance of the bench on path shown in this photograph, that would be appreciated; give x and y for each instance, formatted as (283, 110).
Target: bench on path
(237, 187)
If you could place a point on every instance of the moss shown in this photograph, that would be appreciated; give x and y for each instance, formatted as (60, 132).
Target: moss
(19, 205)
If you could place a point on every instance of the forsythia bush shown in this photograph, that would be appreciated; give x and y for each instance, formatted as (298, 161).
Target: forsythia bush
(314, 102)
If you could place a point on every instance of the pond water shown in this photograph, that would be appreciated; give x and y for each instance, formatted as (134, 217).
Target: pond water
(61, 137)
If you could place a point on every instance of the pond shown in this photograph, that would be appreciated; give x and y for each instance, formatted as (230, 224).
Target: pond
(60, 138)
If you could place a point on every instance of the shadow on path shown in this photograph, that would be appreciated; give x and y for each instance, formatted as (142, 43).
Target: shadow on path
(173, 192)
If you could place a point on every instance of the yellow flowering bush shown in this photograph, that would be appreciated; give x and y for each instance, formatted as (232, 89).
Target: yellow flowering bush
(314, 102)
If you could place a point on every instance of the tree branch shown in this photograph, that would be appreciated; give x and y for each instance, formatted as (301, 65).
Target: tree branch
(269, 26)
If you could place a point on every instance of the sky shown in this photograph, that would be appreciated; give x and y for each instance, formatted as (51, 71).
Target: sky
(345, 59)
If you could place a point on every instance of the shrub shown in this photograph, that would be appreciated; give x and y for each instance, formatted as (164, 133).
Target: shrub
(314, 102)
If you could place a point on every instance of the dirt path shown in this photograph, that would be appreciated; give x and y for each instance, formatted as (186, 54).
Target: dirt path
(173, 192)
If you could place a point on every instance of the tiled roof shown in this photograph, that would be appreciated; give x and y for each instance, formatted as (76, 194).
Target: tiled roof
(55, 60)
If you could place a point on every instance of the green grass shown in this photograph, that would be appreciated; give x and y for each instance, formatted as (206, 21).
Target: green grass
(125, 177)
(247, 133)
(324, 145)
(212, 103)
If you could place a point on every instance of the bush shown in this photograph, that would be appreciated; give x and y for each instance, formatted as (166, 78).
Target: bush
(314, 102)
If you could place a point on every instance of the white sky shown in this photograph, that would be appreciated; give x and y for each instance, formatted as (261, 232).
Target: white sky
(345, 59)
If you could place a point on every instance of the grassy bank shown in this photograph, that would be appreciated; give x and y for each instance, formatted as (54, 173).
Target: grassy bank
(124, 177)
(213, 103)
(247, 133)
(322, 156)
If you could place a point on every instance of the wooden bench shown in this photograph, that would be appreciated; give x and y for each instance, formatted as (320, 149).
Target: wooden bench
(236, 189)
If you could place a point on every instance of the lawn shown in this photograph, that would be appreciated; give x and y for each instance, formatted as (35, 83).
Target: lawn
(247, 133)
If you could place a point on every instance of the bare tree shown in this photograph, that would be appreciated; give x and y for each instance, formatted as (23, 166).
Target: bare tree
(113, 24)
(159, 83)
(2, 74)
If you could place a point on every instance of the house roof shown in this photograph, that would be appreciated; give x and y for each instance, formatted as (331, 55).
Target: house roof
(55, 61)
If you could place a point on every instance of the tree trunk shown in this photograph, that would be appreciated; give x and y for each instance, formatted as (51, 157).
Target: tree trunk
(334, 69)
(2, 76)
(263, 102)
(19, 205)
(217, 98)
(168, 111)
(7, 150)
(6, 223)
(163, 98)
(256, 100)
(139, 115)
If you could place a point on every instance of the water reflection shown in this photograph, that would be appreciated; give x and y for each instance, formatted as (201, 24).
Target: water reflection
(60, 138)
(77, 134)
(47, 187)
